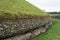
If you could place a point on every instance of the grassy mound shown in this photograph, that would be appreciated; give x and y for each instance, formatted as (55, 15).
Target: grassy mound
(52, 34)
(19, 8)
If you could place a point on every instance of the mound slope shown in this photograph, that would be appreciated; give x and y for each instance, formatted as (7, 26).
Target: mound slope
(19, 8)
(19, 17)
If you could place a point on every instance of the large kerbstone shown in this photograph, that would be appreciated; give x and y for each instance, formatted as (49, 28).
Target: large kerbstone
(20, 37)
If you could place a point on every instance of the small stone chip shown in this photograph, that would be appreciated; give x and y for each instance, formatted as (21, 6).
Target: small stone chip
(1, 28)
(0, 24)
(12, 27)
(22, 28)
(15, 25)
(23, 25)
(2, 32)
(12, 31)
(31, 26)
(6, 26)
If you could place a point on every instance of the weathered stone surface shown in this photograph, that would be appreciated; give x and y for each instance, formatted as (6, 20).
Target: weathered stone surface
(20, 37)
(30, 35)
(35, 33)
(40, 30)
(10, 28)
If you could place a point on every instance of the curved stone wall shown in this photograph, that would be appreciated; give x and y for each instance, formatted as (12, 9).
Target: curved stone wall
(11, 28)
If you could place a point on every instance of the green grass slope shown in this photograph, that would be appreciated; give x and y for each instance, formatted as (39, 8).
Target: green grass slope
(19, 8)
(54, 14)
(52, 34)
